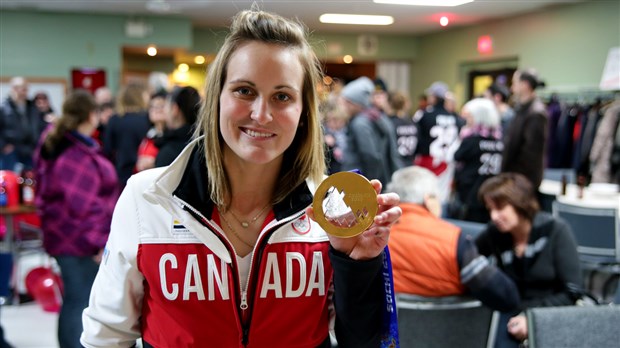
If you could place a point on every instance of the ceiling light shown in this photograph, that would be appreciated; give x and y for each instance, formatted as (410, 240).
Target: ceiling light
(448, 3)
(356, 19)
(151, 51)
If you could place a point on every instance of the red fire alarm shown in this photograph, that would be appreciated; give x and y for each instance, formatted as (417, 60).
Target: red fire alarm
(485, 44)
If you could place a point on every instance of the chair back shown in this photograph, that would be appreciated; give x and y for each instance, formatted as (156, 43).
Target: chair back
(595, 230)
(453, 321)
(573, 326)
(470, 228)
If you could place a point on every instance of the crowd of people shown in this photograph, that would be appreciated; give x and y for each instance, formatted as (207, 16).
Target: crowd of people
(225, 215)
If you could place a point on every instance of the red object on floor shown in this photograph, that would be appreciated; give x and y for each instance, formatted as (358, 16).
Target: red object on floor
(45, 287)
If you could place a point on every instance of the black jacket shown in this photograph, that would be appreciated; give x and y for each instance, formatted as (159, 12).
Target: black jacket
(171, 143)
(549, 274)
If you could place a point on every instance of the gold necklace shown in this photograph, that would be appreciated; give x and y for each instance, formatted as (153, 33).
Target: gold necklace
(235, 232)
(246, 224)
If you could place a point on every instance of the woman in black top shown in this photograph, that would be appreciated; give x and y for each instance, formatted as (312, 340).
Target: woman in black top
(535, 249)
(182, 109)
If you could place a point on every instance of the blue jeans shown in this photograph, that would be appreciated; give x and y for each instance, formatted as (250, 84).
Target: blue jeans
(78, 275)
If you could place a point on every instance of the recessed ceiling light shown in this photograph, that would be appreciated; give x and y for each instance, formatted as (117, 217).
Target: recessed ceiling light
(425, 2)
(337, 18)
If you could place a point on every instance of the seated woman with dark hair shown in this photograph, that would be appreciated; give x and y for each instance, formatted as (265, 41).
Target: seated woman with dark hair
(532, 247)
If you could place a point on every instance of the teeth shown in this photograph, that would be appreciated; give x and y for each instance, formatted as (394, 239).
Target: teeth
(257, 134)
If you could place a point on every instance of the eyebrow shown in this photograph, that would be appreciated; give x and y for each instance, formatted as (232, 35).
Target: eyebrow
(278, 87)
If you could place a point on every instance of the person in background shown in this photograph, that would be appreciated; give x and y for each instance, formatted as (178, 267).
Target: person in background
(438, 132)
(450, 103)
(126, 129)
(380, 97)
(20, 127)
(223, 235)
(42, 102)
(76, 193)
(500, 94)
(334, 132)
(105, 107)
(422, 105)
(371, 140)
(147, 151)
(406, 130)
(478, 157)
(181, 111)
(431, 257)
(158, 82)
(532, 247)
(525, 139)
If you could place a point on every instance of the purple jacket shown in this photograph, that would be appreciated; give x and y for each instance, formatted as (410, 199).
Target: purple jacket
(77, 189)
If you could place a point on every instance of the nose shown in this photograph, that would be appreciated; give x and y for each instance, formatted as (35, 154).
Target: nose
(260, 111)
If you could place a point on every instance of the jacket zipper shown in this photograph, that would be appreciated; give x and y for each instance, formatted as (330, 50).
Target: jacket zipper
(244, 303)
(251, 282)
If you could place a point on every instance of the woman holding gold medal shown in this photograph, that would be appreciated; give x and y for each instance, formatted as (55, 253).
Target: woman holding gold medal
(217, 250)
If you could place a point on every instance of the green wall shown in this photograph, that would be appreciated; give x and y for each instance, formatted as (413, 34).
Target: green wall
(49, 45)
(567, 44)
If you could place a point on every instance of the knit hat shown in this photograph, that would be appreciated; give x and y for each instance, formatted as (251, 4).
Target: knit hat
(359, 91)
(438, 89)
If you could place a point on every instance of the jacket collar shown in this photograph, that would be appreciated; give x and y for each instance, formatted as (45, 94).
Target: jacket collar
(187, 178)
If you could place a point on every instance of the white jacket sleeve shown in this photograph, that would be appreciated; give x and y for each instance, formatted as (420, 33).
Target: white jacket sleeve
(112, 318)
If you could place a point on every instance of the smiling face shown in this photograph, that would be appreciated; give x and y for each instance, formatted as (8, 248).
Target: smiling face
(261, 102)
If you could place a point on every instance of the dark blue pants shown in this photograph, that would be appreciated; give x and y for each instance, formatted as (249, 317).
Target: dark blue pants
(78, 275)
(503, 339)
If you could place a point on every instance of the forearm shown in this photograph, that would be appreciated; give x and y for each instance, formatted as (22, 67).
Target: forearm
(358, 300)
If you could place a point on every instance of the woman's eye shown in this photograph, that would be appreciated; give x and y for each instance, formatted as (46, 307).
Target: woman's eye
(244, 91)
(283, 97)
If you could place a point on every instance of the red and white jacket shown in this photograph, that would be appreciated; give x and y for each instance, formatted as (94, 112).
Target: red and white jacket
(169, 274)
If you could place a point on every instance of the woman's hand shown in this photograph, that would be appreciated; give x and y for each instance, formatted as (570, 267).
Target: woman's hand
(370, 243)
(517, 327)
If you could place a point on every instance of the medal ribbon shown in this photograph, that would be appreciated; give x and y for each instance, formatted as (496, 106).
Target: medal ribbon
(389, 334)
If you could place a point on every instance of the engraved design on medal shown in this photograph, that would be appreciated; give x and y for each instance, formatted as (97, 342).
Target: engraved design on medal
(345, 204)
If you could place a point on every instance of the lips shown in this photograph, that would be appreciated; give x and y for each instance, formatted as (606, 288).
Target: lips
(256, 134)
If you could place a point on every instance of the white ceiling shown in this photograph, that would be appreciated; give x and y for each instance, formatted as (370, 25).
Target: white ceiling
(213, 13)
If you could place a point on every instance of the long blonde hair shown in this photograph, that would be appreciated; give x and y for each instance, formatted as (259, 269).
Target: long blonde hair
(304, 157)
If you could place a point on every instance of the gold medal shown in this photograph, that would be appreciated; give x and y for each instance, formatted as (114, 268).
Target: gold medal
(345, 204)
